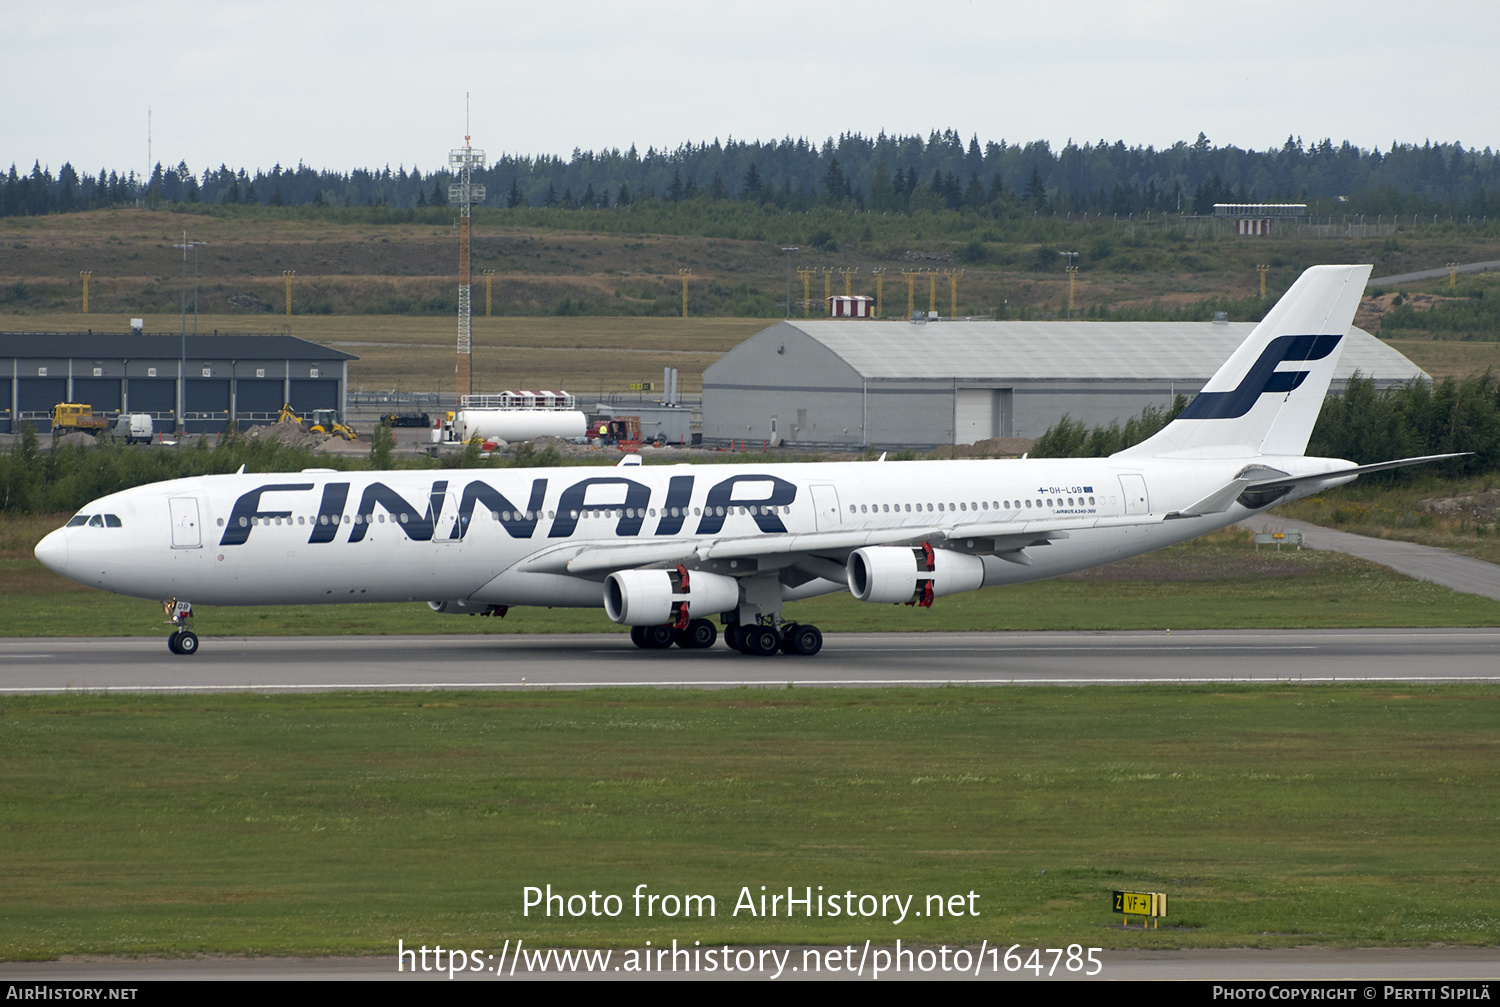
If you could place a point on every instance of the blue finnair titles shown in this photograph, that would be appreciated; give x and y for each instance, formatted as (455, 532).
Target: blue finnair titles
(669, 549)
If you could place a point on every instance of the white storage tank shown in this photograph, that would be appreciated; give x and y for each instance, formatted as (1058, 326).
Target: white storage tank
(518, 424)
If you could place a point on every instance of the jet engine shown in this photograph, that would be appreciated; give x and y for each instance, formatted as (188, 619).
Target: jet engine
(658, 597)
(889, 575)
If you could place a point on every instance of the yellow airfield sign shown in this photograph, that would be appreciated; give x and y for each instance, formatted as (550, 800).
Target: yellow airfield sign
(1150, 904)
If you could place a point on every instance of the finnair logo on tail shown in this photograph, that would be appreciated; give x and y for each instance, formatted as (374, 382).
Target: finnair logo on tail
(1262, 377)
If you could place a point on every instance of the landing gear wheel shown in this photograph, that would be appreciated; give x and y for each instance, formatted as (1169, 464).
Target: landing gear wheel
(172, 642)
(759, 641)
(732, 636)
(184, 642)
(638, 636)
(804, 641)
(657, 637)
(699, 634)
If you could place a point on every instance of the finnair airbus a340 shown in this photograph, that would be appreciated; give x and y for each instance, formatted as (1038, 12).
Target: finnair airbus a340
(663, 548)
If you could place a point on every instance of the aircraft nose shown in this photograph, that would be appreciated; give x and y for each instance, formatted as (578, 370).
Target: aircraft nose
(52, 551)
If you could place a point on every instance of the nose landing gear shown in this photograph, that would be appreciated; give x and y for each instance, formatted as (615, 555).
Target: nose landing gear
(183, 640)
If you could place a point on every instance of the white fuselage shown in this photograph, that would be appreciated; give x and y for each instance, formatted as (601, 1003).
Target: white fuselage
(508, 536)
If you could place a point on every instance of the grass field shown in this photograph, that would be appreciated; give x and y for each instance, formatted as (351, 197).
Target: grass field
(1456, 515)
(586, 356)
(1271, 816)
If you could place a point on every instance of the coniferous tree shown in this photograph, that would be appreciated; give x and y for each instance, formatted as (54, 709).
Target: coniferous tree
(753, 185)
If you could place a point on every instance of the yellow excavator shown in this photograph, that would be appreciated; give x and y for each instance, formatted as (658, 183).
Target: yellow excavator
(323, 421)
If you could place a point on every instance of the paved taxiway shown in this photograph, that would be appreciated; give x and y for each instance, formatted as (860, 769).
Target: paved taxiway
(282, 664)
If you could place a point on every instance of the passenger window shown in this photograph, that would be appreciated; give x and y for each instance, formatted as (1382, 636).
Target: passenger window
(1028, 503)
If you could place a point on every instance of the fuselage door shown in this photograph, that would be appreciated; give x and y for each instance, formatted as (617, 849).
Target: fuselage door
(826, 507)
(443, 521)
(185, 531)
(1136, 500)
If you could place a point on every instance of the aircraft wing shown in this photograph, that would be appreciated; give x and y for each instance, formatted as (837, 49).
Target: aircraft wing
(1004, 539)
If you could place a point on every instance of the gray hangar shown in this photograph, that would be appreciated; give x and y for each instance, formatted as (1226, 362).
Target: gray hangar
(198, 383)
(853, 383)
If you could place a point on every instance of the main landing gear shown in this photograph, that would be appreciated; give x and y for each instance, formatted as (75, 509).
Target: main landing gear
(698, 634)
(763, 640)
(760, 640)
(183, 640)
(753, 627)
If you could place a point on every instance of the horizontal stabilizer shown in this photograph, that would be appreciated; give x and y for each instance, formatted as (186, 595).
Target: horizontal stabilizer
(1355, 471)
(1261, 479)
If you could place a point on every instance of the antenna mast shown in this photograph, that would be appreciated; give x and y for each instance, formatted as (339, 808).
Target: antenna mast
(462, 161)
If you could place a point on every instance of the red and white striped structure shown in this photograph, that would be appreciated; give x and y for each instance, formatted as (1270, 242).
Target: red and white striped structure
(850, 306)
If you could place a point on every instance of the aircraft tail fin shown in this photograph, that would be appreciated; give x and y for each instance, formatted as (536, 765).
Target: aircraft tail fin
(1267, 395)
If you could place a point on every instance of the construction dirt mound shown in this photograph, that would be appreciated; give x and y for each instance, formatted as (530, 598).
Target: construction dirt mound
(287, 433)
(75, 439)
(995, 447)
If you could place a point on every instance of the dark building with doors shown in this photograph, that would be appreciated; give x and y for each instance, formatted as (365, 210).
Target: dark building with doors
(195, 383)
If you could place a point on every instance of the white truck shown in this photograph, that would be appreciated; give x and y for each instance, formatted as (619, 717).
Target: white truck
(132, 427)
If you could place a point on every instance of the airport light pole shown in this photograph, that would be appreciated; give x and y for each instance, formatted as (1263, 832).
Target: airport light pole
(1072, 258)
(196, 245)
(789, 249)
(182, 364)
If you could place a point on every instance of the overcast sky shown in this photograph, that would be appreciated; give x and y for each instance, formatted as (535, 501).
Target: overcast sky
(343, 84)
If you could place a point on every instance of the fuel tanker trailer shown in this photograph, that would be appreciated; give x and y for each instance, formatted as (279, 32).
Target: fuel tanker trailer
(519, 416)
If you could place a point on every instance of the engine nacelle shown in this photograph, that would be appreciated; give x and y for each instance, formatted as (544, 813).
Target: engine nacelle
(657, 597)
(890, 575)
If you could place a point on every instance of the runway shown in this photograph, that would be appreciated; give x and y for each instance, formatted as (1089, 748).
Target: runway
(320, 664)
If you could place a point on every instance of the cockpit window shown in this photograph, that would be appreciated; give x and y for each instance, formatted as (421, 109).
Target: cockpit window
(79, 520)
(97, 521)
(112, 521)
